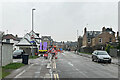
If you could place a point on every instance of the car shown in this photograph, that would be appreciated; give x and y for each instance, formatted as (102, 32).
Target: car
(101, 56)
(18, 53)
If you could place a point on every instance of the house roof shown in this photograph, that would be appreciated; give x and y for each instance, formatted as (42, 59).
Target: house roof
(92, 34)
(9, 36)
(27, 38)
(48, 37)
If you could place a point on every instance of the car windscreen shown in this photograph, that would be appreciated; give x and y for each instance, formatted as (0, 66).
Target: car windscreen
(17, 52)
(102, 53)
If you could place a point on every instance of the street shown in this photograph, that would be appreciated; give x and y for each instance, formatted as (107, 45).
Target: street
(68, 65)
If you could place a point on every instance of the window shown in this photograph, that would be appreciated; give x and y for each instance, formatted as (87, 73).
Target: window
(100, 40)
(110, 39)
(8, 40)
(89, 40)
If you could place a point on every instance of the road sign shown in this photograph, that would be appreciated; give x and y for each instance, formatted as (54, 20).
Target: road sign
(32, 41)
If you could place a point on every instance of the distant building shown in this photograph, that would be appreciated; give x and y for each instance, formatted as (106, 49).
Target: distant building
(71, 45)
(47, 39)
(93, 38)
(60, 45)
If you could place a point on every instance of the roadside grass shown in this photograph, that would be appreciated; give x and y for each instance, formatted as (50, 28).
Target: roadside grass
(4, 73)
(6, 70)
(86, 53)
(13, 66)
(33, 57)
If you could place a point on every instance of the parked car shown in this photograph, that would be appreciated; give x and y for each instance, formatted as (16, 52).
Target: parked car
(18, 53)
(101, 56)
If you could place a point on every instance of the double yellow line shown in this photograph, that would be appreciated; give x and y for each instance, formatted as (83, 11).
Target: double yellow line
(56, 76)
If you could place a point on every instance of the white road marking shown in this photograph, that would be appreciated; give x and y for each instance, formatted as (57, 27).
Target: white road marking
(77, 69)
(20, 73)
(70, 63)
(23, 71)
(63, 54)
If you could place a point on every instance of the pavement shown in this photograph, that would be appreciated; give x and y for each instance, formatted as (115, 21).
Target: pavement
(36, 68)
(68, 65)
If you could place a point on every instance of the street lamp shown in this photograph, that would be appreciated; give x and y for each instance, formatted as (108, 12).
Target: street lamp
(32, 29)
(33, 19)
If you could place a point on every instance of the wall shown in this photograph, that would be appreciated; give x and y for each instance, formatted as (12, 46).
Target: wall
(86, 50)
(7, 51)
(113, 52)
(105, 38)
(84, 43)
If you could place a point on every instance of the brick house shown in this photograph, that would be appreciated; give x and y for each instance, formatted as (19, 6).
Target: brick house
(94, 38)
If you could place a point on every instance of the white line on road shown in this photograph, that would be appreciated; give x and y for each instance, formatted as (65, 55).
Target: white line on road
(23, 71)
(70, 63)
(63, 53)
(77, 69)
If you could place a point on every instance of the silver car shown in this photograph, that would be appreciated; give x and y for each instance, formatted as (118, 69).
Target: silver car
(101, 56)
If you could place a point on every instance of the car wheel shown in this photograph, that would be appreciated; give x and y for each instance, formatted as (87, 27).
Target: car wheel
(98, 60)
(92, 59)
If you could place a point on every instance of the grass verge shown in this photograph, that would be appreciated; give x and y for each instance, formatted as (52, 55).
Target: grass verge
(6, 70)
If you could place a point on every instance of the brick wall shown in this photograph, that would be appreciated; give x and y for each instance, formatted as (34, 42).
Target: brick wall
(105, 36)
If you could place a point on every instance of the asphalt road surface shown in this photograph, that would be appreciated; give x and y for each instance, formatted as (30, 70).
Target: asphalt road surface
(70, 65)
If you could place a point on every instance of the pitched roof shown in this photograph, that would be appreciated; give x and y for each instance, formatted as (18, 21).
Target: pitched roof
(9, 36)
(48, 37)
(92, 34)
(27, 38)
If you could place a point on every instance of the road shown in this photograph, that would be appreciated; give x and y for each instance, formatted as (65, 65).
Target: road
(68, 65)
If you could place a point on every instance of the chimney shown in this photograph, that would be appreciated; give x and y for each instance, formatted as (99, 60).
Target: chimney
(16, 35)
(85, 30)
(103, 29)
(117, 34)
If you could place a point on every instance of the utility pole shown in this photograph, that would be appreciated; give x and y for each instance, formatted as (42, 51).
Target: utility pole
(32, 30)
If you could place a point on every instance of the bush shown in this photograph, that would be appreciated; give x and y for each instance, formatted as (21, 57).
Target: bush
(108, 47)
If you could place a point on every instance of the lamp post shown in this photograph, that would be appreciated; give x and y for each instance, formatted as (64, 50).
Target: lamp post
(32, 30)
(33, 19)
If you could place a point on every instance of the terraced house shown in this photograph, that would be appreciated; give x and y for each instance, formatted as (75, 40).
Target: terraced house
(94, 38)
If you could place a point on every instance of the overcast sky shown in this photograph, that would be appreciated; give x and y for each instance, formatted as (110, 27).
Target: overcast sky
(58, 19)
